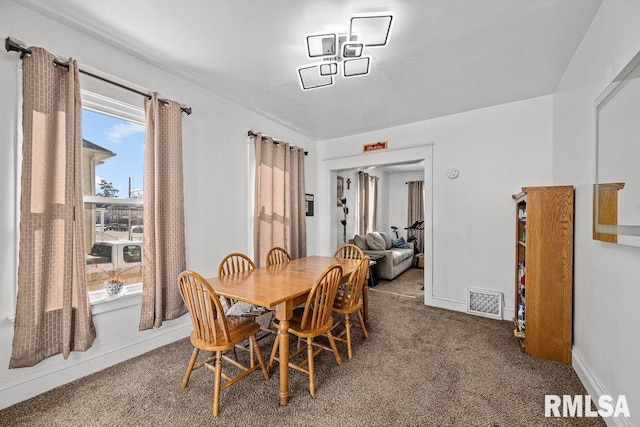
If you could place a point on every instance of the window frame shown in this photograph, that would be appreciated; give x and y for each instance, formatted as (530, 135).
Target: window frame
(122, 110)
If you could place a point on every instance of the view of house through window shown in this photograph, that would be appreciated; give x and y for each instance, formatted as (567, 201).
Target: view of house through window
(113, 159)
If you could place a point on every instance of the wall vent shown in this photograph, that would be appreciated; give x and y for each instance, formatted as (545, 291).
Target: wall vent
(485, 303)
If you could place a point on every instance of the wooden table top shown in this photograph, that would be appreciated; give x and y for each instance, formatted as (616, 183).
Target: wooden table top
(272, 285)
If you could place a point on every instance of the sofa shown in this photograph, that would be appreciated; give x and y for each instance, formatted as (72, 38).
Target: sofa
(394, 261)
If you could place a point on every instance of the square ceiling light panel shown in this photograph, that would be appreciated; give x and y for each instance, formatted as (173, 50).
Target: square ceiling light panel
(329, 69)
(371, 30)
(352, 50)
(356, 67)
(310, 77)
(319, 45)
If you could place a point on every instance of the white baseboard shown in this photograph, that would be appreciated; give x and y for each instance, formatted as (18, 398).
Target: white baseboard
(27, 387)
(460, 305)
(594, 387)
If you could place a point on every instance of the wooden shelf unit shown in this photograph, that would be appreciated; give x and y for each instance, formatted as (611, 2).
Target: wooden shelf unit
(545, 249)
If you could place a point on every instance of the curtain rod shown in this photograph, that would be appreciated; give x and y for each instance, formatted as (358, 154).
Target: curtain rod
(275, 141)
(11, 45)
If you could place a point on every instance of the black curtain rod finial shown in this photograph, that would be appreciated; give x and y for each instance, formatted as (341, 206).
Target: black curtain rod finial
(15, 45)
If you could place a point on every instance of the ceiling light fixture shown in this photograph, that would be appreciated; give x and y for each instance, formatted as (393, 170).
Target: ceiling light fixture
(365, 31)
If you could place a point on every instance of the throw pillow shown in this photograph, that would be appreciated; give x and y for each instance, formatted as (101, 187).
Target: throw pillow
(373, 243)
(360, 242)
(388, 243)
(400, 243)
(379, 239)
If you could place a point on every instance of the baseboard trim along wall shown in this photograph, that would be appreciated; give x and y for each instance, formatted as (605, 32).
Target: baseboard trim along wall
(594, 387)
(27, 387)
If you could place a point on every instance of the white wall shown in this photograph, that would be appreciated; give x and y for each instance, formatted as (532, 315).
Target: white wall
(498, 150)
(606, 288)
(216, 196)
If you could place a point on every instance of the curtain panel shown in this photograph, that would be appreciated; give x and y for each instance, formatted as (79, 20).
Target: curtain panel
(164, 252)
(279, 208)
(415, 211)
(53, 314)
(367, 203)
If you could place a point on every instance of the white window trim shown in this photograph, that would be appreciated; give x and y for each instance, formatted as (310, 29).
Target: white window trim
(125, 111)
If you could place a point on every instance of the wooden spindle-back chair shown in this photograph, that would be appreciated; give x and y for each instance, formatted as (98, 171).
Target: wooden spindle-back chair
(349, 301)
(213, 332)
(314, 320)
(348, 251)
(277, 255)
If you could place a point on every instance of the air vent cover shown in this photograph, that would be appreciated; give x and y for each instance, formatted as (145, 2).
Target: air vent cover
(485, 303)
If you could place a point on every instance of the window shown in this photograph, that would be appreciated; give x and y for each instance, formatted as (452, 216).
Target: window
(113, 164)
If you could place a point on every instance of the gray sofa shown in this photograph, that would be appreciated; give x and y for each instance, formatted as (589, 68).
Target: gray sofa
(395, 261)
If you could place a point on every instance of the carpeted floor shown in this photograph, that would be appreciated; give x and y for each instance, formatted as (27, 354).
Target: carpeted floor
(421, 366)
(410, 284)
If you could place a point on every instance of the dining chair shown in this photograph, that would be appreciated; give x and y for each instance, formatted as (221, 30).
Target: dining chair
(348, 251)
(313, 320)
(277, 255)
(214, 332)
(349, 300)
(234, 263)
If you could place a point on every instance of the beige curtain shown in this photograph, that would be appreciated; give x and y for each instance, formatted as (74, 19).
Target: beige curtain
(367, 202)
(164, 252)
(279, 210)
(415, 211)
(53, 314)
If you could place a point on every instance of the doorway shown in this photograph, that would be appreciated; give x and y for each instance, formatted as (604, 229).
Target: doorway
(328, 215)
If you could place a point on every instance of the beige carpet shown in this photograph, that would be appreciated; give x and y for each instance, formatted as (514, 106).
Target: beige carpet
(410, 284)
(420, 367)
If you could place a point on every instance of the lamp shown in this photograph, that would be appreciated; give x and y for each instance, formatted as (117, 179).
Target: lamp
(365, 31)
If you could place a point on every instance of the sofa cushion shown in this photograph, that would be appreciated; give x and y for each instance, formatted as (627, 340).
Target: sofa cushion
(375, 243)
(379, 239)
(400, 255)
(387, 239)
(360, 241)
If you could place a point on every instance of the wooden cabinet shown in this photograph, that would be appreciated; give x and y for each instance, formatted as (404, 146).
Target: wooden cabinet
(544, 271)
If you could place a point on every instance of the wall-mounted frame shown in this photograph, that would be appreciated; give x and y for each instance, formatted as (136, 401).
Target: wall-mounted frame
(616, 193)
(340, 191)
(308, 204)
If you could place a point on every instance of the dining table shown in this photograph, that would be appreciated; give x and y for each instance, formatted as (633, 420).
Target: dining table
(282, 287)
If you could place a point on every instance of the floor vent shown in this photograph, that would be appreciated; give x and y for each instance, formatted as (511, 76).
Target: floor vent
(485, 303)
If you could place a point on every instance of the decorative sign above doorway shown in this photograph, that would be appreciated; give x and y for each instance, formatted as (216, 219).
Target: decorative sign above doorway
(374, 146)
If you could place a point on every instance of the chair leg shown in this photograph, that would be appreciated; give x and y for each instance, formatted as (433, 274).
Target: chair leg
(334, 348)
(252, 363)
(192, 362)
(274, 351)
(347, 327)
(216, 384)
(362, 325)
(260, 359)
(312, 381)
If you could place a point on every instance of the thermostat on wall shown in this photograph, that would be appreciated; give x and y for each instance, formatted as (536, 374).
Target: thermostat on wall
(453, 173)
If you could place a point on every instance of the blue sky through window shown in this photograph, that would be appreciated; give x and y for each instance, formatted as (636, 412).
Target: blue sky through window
(124, 138)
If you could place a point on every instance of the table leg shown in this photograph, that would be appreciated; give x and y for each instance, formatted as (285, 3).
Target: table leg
(283, 336)
(284, 312)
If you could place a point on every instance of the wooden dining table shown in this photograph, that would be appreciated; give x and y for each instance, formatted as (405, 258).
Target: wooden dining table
(283, 287)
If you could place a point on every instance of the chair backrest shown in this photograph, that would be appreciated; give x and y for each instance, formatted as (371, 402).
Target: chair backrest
(350, 294)
(235, 263)
(348, 251)
(278, 255)
(207, 315)
(318, 308)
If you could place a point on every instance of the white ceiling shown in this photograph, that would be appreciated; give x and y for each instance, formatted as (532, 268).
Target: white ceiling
(443, 57)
